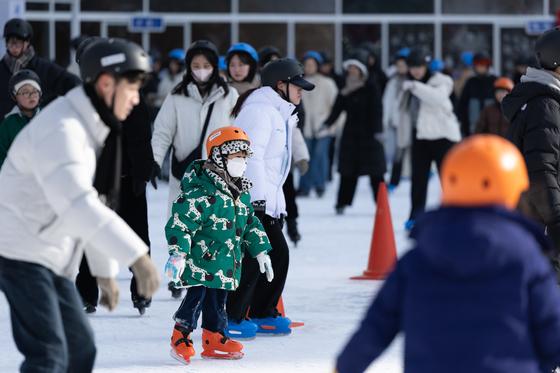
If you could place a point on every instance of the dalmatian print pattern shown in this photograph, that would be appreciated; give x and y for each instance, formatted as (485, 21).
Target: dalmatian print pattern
(227, 148)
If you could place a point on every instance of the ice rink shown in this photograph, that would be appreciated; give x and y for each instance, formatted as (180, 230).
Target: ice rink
(318, 292)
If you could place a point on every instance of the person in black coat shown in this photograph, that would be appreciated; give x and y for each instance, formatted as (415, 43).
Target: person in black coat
(20, 54)
(533, 109)
(137, 170)
(476, 95)
(360, 152)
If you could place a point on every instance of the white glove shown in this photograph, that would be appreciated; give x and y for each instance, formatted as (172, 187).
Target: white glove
(408, 85)
(147, 276)
(265, 265)
(175, 267)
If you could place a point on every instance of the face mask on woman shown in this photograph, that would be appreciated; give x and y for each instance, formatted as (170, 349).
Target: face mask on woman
(236, 166)
(202, 75)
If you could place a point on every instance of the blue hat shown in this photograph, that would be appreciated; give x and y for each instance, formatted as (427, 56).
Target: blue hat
(467, 58)
(222, 65)
(403, 53)
(177, 54)
(315, 55)
(243, 47)
(436, 65)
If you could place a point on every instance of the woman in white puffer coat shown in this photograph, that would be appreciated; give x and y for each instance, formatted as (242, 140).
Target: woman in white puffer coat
(427, 124)
(267, 115)
(202, 95)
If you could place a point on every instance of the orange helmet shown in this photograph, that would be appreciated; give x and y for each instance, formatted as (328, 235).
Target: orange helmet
(223, 135)
(483, 170)
(503, 83)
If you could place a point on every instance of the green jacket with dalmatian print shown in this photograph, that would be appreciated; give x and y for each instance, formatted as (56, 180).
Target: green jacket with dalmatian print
(213, 230)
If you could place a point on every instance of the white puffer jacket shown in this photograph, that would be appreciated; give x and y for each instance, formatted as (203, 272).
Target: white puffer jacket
(49, 210)
(436, 119)
(179, 124)
(269, 122)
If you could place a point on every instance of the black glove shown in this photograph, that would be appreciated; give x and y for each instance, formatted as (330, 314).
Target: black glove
(156, 174)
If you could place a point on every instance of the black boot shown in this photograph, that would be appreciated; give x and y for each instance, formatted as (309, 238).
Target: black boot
(293, 232)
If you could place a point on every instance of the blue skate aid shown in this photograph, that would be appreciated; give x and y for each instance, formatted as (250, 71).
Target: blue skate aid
(243, 330)
(273, 325)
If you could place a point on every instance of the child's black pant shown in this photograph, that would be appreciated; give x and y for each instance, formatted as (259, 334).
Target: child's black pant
(212, 304)
(254, 291)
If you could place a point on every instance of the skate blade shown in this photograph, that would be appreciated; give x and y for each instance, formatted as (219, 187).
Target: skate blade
(222, 355)
(179, 358)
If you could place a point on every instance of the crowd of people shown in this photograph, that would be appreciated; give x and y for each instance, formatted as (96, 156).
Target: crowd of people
(239, 138)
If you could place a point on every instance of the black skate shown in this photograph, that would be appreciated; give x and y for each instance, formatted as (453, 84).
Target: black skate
(89, 308)
(141, 304)
(293, 232)
(175, 292)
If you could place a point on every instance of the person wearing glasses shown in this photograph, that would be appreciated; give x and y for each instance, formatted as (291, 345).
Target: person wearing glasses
(25, 90)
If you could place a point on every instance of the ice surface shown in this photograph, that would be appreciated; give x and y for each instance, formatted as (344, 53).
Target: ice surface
(318, 292)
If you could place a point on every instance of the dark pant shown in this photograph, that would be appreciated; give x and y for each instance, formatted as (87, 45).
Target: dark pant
(254, 291)
(290, 196)
(424, 152)
(348, 185)
(212, 304)
(396, 170)
(133, 210)
(48, 324)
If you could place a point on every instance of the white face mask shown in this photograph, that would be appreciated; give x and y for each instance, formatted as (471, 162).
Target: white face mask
(236, 167)
(202, 75)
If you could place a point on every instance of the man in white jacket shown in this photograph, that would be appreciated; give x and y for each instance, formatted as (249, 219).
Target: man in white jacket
(57, 189)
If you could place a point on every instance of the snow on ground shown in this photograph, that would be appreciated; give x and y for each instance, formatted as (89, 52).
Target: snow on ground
(318, 292)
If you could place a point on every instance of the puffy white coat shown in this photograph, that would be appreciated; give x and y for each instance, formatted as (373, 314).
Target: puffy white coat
(179, 124)
(166, 85)
(269, 121)
(436, 119)
(318, 104)
(49, 210)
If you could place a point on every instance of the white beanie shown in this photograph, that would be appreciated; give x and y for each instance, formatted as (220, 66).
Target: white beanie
(31, 82)
(358, 64)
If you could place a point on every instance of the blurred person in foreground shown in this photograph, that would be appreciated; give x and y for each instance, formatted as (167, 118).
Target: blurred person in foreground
(475, 294)
(59, 189)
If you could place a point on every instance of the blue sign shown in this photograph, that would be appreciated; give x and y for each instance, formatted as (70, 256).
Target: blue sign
(538, 27)
(146, 23)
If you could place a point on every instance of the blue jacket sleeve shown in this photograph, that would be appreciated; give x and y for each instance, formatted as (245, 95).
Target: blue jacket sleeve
(377, 330)
(544, 309)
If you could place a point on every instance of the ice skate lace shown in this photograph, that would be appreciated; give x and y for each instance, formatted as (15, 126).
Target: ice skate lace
(184, 340)
(224, 339)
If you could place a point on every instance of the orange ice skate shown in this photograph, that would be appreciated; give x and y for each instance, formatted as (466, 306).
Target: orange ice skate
(218, 346)
(181, 344)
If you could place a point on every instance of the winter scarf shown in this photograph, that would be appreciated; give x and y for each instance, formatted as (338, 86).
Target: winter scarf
(353, 84)
(544, 77)
(16, 64)
(107, 180)
(235, 185)
(244, 86)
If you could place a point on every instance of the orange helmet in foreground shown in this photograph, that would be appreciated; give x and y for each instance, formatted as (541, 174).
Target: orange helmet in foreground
(224, 134)
(484, 170)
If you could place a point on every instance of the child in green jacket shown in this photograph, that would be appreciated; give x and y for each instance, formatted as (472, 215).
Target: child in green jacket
(212, 225)
(25, 89)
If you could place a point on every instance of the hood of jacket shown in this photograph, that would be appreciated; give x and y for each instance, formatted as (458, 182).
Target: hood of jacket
(534, 83)
(463, 242)
(269, 97)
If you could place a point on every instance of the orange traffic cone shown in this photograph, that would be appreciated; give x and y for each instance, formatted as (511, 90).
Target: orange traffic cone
(383, 252)
(280, 308)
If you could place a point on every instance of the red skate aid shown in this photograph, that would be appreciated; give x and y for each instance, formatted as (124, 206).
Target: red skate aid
(181, 345)
(218, 346)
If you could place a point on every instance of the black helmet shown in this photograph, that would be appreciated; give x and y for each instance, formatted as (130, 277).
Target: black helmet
(19, 28)
(285, 70)
(75, 42)
(202, 45)
(547, 49)
(266, 54)
(417, 57)
(20, 77)
(115, 56)
(84, 43)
